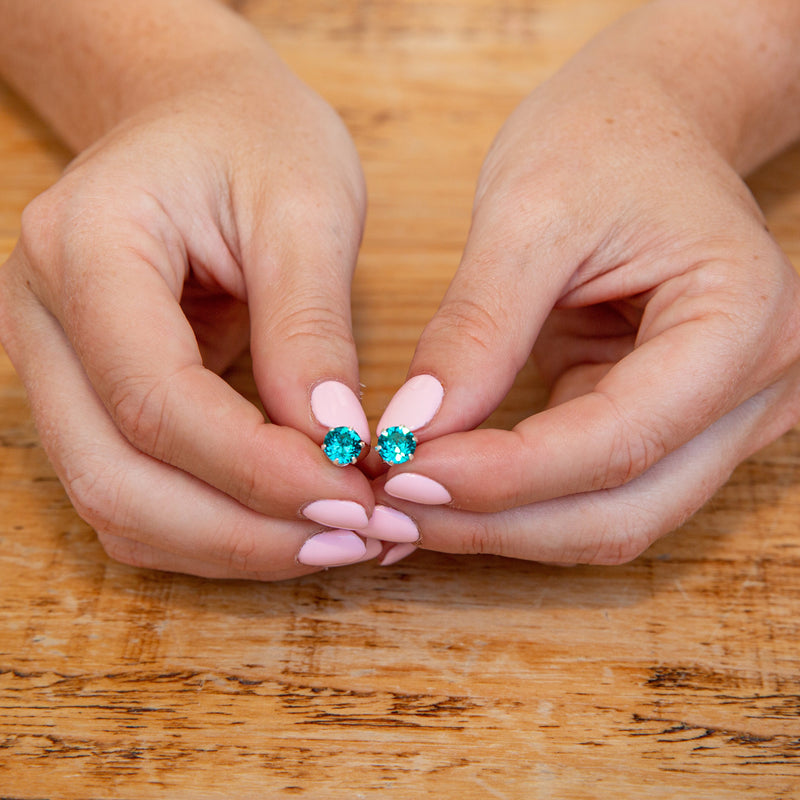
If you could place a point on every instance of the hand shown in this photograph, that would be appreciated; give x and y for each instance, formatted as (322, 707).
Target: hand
(229, 212)
(612, 238)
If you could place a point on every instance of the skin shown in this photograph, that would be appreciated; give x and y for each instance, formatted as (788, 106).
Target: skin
(614, 238)
(217, 201)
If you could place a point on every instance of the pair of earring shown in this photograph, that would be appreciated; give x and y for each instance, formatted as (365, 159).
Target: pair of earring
(343, 446)
(415, 404)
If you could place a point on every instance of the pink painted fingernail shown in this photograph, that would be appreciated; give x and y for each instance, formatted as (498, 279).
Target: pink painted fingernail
(414, 405)
(390, 525)
(335, 405)
(396, 553)
(417, 489)
(332, 549)
(337, 514)
(374, 547)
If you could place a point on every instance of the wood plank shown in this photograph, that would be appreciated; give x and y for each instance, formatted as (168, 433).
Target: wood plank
(467, 677)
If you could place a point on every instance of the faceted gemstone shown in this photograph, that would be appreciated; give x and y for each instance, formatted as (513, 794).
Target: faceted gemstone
(342, 445)
(396, 445)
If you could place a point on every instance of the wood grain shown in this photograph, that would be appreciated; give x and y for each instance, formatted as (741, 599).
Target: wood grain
(676, 675)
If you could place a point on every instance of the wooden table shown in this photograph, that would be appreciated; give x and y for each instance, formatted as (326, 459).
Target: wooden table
(676, 675)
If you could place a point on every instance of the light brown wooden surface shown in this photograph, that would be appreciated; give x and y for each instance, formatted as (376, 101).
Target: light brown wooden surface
(675, 676)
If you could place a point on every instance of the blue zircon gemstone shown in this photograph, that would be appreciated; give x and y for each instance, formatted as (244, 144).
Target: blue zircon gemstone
(396, 445)
(342, 445)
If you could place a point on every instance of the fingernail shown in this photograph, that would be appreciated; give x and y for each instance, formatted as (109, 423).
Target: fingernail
(417, 489)
(390, 525)
(336, 406)
(414, 405)
(396, 553)
(337, 514)
(374, 547)
(332, 549)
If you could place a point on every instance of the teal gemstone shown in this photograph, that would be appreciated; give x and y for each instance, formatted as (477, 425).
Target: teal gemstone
(342, 445)
(396, 445)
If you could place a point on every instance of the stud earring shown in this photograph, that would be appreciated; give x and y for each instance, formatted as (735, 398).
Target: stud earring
(396, 445)
(343, 446)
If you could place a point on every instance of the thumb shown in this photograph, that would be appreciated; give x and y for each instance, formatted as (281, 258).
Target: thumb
(304, 355)
(484, 330)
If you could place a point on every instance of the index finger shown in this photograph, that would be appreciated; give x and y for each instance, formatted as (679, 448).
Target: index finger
(117, 301)
(703, 360)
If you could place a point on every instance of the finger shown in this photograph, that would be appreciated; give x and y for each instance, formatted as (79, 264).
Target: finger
(614, 526)
(116, 299)
(145, 512)
(488, 321)
(701, 362)
(298, 266)
(137, 554)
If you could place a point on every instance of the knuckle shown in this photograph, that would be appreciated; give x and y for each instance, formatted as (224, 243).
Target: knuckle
(484, 537)
(333, 200)
(37, 219)
(614, 550)
(240, 552)
(126, 551)
(464, 319)
(96, 494)
(634, 449)
(509, 194)
(621, 544)
(138, 415)
(247, 486)
(54, 227)
(139, 408)
(308, 320)
(636, 520)
(42, 227)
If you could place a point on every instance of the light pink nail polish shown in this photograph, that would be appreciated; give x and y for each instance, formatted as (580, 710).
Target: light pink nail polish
(374, 547)
(335, 405)
(396, 553)
(390, 525)
(337, 514)
(332, 549)
(417, 489)
(414, 405)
